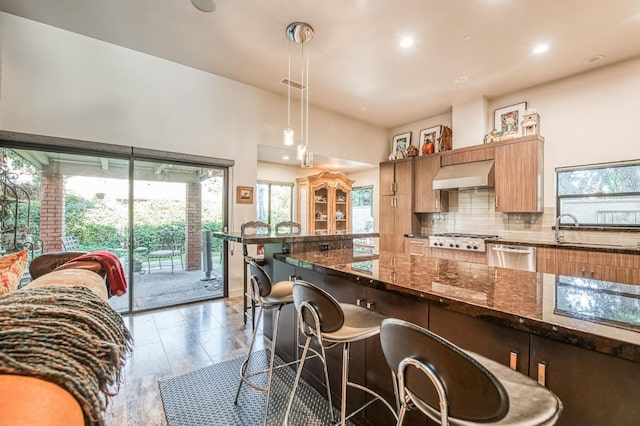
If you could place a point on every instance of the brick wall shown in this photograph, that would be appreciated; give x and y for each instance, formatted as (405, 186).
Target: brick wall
(194, 223)
(52, 211)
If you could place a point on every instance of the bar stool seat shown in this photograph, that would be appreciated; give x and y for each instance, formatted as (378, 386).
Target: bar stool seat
(456, 387)
(331, 323)
(248, 229)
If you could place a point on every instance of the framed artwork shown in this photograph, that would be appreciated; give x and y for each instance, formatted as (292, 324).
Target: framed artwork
(244, 195)
(508, 120)
(400, 145)
(429, 140)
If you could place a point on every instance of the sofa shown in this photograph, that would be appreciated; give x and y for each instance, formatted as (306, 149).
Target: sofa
(77, 344)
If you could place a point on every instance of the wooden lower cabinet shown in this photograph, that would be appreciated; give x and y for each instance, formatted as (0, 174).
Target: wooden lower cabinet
(595, 388)
(494, 341)
(616, 267)
(378, 375)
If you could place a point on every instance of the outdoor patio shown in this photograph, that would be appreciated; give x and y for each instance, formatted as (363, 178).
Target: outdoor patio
(160, 287)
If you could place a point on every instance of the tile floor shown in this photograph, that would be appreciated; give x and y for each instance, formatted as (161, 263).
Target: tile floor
(171, 342)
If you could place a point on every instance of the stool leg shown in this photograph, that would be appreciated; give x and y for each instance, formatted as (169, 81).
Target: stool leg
(243, 369)
(271, 361)
(295, 383)
(345, 377)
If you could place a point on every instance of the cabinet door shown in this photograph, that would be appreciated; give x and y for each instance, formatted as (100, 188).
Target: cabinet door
(427, 199)
(341, 210)
(378, 374)
(404, 177)
(518, 176)
(595, 389)
(387, 179)
(387, 222)
(320, 210)
(499, 343)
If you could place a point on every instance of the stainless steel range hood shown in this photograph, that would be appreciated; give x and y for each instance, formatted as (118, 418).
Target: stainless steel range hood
(478, 174)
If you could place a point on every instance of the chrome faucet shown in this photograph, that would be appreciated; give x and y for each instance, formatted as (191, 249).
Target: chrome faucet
(558, 236)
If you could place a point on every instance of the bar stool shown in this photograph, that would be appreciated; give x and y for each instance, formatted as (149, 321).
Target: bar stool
(288, 227)
(246, 230)
(456, 387)
(320, 316)
(266, 295)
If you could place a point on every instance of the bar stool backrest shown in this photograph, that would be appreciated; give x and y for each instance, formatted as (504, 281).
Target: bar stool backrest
(254, 227)
(288, 228)
(326, 307)
(260, 278)
(473, 393)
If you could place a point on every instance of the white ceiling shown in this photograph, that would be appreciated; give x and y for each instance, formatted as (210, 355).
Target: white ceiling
(357, 67)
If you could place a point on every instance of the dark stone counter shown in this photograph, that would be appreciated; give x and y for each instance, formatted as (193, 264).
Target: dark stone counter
(597, 315)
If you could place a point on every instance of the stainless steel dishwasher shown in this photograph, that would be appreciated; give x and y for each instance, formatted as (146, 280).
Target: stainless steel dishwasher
(513, 257)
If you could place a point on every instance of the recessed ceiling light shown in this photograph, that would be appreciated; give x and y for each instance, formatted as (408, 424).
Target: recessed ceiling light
(461, 79)
(406, 42)
(467, 38)
(593, 59)
(540, 48)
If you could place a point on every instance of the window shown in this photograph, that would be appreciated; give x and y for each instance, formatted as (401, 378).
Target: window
(602, 195)
(274, 202)
(362, 216)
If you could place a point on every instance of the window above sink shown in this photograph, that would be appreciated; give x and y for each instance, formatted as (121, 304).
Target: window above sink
(600, 195)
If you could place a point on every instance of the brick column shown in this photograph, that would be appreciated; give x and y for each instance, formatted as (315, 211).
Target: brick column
(51, 211)
(194, 226)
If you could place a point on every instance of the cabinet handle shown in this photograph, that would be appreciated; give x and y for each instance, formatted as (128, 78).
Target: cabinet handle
(359, 302)
(418, 243)
(371, 305)
(417, 254)
(437, 203)
(542, 373)
(513, 360)
(395, 187)
(592, 274)
(584, 273)
(496, 201)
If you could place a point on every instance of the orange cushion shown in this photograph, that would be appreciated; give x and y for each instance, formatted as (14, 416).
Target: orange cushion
(12, 267)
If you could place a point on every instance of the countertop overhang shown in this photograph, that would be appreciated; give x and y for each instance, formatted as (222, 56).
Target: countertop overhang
(273, 237)
(528, 301)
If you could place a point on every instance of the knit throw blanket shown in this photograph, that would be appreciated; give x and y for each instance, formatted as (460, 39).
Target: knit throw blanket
(68, 336)
(113, 269)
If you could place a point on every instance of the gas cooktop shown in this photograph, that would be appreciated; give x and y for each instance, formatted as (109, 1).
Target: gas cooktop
(460, 241)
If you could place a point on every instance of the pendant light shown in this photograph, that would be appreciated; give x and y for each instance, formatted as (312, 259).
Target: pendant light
(300, 33)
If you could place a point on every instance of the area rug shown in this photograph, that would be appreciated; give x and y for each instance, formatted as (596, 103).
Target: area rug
(205, 397)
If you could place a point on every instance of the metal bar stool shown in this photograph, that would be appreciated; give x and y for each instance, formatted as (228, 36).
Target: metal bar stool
(456, 387)
(246, 230)
(267, 295)
(320, 316)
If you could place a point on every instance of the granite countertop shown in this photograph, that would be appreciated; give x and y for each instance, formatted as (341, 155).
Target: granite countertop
(597, 315)
(288, 238)
(572, 245)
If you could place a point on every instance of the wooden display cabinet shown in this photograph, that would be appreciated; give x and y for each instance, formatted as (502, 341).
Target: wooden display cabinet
(324, 203)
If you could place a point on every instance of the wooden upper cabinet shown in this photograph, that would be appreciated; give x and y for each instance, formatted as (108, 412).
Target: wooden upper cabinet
(324, 203)
(519, 168)
(396, 207)
(426, 199)
(467, 155)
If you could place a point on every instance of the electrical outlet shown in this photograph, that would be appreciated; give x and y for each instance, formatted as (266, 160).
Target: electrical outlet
(324, 247)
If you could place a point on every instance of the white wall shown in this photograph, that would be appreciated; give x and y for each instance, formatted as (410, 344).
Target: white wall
(58, 83)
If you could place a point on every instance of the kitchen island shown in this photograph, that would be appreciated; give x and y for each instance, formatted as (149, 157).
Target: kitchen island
(578, 336)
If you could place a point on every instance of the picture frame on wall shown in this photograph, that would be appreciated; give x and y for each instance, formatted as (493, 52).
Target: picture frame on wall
(400, 144)
(507, 120)
(244, 195)
(429, 140)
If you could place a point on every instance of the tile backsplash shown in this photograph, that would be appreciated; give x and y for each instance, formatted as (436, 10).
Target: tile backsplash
(473, 211)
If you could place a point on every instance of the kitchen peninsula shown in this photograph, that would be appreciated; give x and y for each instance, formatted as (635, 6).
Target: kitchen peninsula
(578, 336)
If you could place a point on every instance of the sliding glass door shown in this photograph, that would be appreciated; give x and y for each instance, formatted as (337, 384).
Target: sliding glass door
(155, 216)
(175, 208)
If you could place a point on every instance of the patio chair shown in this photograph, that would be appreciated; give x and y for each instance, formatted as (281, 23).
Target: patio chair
(70, 243)
(169, 246)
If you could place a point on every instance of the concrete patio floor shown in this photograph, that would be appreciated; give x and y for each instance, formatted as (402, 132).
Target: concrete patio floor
(161, 288)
